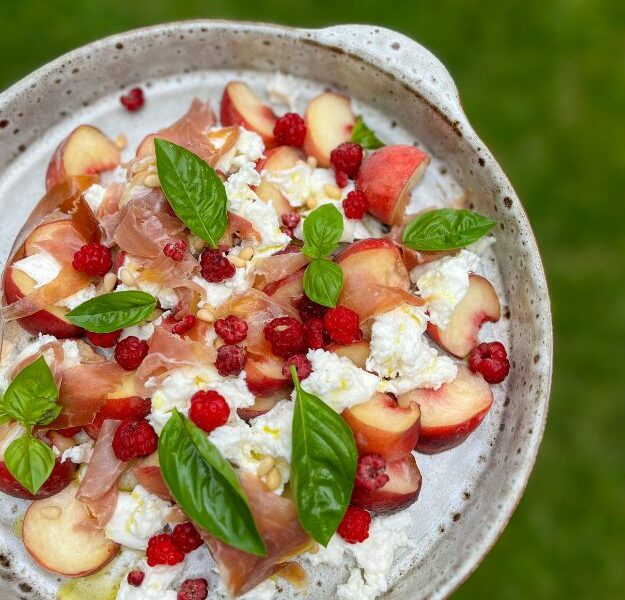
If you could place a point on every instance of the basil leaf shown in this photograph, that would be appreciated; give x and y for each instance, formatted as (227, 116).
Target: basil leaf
(30, 461)
(194, 191)
(446, 229)
(110, 312)
(4, 415)
(323, 229)
(31, 397)
(205, 485)
(323, 464)
(323, 281)
(361, 134)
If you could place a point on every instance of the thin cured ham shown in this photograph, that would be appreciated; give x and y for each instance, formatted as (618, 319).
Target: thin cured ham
(276, 267)
(151, 479)
(278, 524)
(109, 214)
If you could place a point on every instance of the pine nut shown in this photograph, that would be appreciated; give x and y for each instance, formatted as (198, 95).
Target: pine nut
(152, 181)
(121, 141)
(51, 512)
(109, 281)
(246, 253)
(127, 277)
(206, 315)
(236, 261)
(314, 548)
(312, 162)
(266, 464)
(274, 479)
(311, 202)
(332, 191)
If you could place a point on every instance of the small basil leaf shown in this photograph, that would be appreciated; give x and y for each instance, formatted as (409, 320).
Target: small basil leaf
(4, 415)
(323, 464)
(323, 229)
(323, 281)
(446, 229)
(205, 485)
(361, 134)
(30, 461)
(110, 312)
(195, 192)
(31, 397)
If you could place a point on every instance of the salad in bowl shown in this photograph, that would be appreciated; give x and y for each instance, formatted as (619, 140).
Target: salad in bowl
(227, 348)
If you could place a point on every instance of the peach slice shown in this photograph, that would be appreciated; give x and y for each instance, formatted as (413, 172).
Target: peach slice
(61, 476)
(262, 405)
(480, 304)
(357, 352)
(387, 176)
(241, 106)
(287, 289)
(329, 122)
(281, 158)
(381, 426)
(451, 413)
(401, 490)
(58, 536)
(264, 374)
(85, 151)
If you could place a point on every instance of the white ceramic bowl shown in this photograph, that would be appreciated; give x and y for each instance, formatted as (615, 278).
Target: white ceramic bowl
(469, 493)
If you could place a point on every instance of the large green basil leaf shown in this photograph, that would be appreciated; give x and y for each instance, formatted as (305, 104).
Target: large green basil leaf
(31, 397)
(30, 461)
(323, 281)
(323, 229)
(361, 134)
(110, 312)
(194, 191)
(446, 229)
(323, 464)
(205, 485)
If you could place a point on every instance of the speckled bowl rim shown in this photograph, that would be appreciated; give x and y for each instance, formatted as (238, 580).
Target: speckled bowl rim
(439, 92)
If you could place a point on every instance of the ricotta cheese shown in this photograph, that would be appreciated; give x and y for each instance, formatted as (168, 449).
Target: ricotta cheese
(157, 585)
(218, 293)
(71, 302)
(94, 195)
(143, 332)
(71, 353)
(248, 148)
(79, 454)
(40, 267)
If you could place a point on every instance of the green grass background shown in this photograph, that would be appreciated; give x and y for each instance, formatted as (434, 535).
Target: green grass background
(543, 82)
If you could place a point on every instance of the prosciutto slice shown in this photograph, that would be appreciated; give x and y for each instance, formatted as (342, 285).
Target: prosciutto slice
(151, 479)
(109, 214)
(276, 267)
(277, 522)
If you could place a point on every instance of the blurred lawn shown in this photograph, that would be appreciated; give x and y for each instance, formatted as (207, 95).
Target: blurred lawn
(543, 82)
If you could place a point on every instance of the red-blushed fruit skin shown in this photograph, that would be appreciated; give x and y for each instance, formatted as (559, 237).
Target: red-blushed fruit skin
(42, 321)
(61, 476)
(130, 407)
(387, 177)
(151, 478)
(392, 445)
(364, 245)
(401, 490)
(289, 287)
(264, 375)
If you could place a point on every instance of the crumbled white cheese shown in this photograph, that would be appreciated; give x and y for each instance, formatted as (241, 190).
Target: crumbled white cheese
(71, 353)
(218, 293)
(40, 267)
(34, 346)
(158, 583)
(71, 302)
(282, 89)
(248, 148)
(117, 175)
(94, 195)
(79, 454)
(143, 332)
(301, 183)
(337, 381)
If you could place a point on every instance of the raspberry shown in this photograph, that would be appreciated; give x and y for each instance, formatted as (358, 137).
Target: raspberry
(371, 473)
(341, 178)
(162, 551)
(308, 309)
(231, 330)
(313, 334)
(355, 205)
(133, 100)
(135, 578)
(209, 410)
(342, 325)
(286, 336)
(291, 220)
(184, 325)
(491, 360)
(230, 360)
(302, 366)
(287, 231)
(130, 352)
(93, 259)
(346, 157)
(134, 439)
(186, 537)
(175, 250)
(354, 527)
(215, 266)
(104, 340)
(193, 589)
(290, 130)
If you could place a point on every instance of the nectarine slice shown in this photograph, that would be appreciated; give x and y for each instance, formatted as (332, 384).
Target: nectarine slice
(241, 106)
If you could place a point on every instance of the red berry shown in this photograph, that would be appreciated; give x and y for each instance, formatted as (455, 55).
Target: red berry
(215, 266)
(371, 472)
(135, 578)
(346, 157)
(186, 537)
(231, 330)
(133, 100)
(291, 220)
(341, 178)
(308, 309)
(491, 360)
(175, 250)
(134, 439)
(286, 336)
(130, 352)
(289, 130)
(230, 360)
(209, 410)
(313, 334)
(302, 366)
(119, 409)
(104, 340)
(70, 431)
(354, 527)
(162, 551)
(184, 325)
(342, 325)
(93, 259)
(355, 205)
(193, 589)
